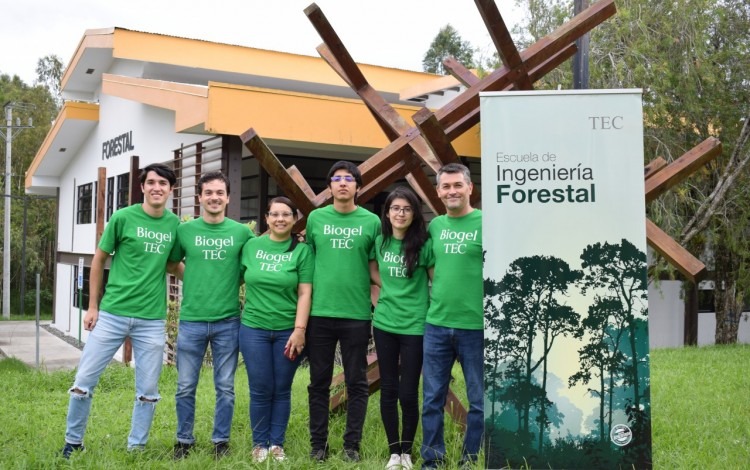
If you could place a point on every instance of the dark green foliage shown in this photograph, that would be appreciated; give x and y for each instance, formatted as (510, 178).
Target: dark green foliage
(38, 103)
(447, 43)
(524, 313)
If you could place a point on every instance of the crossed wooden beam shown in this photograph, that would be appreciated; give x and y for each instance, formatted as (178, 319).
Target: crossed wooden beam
(660, 177)
(417, 151)
(427, 144)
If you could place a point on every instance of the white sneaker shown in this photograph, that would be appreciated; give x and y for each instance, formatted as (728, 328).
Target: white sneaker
(394, 463)
(260, 454)
(406, 461)
(277, 452)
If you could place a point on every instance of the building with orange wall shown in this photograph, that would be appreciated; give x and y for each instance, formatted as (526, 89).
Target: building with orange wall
(134, 98)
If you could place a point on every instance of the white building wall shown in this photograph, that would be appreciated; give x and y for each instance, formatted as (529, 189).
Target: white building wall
(666, 318)
(153, 139)
(666, 314)
(64, 298)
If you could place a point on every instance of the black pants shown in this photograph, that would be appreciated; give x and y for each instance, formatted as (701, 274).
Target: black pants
(322, 335)
(399, 386)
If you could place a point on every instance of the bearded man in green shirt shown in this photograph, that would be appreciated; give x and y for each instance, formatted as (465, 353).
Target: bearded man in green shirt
(342, 236)
(210, 246)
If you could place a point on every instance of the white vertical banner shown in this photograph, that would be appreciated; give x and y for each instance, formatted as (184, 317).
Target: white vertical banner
(566, 331)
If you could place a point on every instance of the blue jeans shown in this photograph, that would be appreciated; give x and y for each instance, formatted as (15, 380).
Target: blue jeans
(147, 337)
(192, 339)
(442, 346)
(269, 376)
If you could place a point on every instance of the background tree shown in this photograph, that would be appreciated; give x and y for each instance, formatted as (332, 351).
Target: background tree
(41, 213)
(693, 68)
(600, 358)
(618, 273)
(447, 43)
(529, 294)
(49, 72)
(691, 58)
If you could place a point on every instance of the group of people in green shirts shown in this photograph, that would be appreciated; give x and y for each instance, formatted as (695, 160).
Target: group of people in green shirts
(302, 298)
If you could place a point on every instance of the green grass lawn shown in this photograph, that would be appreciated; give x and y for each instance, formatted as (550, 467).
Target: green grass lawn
(700, 405)
(33, 417)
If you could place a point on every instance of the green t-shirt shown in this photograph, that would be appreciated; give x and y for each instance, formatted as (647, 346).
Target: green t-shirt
(457, 284)
(402, 305)
(343, 247)
(140, 246)
(211, 280)
(272, 275)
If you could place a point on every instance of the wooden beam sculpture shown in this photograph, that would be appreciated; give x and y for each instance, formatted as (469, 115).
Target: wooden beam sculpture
(416, 151)
(411, 150)
(660, 177)
(428, 144)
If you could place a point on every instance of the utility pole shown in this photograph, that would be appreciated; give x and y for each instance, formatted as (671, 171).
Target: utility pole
(10, 130)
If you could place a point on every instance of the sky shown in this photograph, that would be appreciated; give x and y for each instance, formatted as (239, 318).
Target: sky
(392, 33)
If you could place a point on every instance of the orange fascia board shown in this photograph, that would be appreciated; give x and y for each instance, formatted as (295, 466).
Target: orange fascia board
(189, 102)
(92, 38)
(302, 117)
(156, 48)
(294, 116)
(71, 110)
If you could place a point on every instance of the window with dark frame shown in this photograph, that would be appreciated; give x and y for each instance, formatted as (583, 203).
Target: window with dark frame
(110, 197)
(123, 190)
(85, 290)
(83, 215)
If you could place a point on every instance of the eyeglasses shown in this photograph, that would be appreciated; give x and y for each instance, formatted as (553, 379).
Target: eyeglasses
(276, 215)
(406, 210)
(338, 178)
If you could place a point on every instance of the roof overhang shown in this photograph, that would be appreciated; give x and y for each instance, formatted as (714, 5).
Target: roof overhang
(74, 122)
(193, 61)
(189, 102)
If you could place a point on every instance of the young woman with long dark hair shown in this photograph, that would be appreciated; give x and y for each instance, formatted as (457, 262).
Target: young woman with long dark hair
(402, 257)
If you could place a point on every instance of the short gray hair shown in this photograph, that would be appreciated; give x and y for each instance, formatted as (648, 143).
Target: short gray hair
(453, 168)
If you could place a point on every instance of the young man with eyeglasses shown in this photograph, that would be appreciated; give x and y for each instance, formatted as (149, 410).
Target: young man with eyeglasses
(342, 236)
(454, 327)
(210, 247)
(139, 239)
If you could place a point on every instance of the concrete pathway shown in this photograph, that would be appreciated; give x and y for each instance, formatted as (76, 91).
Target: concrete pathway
(18, 339)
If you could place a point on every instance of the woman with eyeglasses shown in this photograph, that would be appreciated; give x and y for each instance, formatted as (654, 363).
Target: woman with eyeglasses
(402, 257)
(278, 273)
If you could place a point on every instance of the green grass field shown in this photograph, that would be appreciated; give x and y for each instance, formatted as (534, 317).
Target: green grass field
(700, 405)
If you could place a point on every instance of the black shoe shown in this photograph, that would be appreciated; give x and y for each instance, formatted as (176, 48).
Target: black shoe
(70, 448)
(351, 455)
(181, 450)
(319, 455)
(221, 449)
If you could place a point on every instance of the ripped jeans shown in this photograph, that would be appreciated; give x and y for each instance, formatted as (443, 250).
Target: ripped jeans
(147, 337)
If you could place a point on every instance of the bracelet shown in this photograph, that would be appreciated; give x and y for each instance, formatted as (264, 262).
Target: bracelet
(301, 328)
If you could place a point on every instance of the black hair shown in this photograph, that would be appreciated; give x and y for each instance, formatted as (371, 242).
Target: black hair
(211, 176)
(293, 207)
(160, 169)
(453, 168)
(416, 234)
(348, 166)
